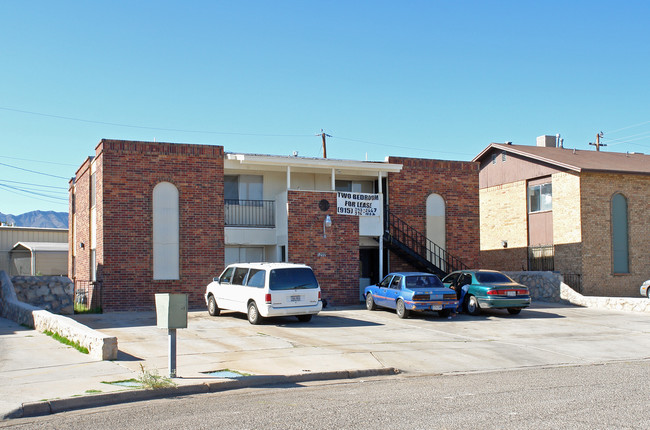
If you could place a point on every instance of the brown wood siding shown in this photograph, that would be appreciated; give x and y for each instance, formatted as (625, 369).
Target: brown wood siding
(540, 228)
(513, 169)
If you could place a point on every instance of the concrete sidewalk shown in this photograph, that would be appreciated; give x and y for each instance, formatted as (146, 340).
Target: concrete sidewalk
(41, 375)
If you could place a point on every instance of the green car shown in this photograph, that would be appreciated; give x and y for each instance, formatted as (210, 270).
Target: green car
(482, 289)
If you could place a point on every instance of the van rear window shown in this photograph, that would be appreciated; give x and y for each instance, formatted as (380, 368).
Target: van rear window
(292, 279)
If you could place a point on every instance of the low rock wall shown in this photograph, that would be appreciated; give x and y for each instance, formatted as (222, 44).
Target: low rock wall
(52, 293)
(543, 286)
(631, 304)
(550, 287)
(99, 345)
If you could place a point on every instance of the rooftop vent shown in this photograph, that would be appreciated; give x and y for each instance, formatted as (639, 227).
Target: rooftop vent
(547, 141)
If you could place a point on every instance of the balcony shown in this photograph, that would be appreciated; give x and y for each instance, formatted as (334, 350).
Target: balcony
(250, 213)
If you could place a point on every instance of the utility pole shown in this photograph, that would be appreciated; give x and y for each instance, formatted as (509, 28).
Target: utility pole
(598, 144)
(324, 135)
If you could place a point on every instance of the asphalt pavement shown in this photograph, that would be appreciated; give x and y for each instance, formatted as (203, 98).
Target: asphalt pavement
(42, 376)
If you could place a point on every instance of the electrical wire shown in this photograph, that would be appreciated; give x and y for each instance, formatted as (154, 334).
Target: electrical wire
(39, 161)
(617, 141)
(34, 185)
(32, 194)
(629, 126)
(399, 146)
(178, 130)
(33, 171)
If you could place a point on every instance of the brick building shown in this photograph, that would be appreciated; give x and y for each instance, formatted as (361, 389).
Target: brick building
(149, 217)
(585, 214)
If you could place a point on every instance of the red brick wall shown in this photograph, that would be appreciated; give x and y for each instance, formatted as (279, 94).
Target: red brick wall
(79, 224)
(335, 258)
(457, 183)
(127, 173)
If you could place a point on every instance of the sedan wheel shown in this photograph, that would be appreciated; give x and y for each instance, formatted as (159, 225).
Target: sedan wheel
(370, 302)
(213, 309)
(402, 312)
(254, 316)
(514, 311)
(473, 308)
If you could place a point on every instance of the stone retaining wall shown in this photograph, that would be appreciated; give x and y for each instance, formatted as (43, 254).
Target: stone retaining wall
(543, 286)
(52, 293)
(631, 304)
(550, 287)
(99, 345)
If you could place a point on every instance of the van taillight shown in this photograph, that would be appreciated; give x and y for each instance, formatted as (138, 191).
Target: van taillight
(267, 298)
(319, 296)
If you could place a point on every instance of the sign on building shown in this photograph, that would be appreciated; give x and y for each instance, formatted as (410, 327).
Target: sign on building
(358, 204)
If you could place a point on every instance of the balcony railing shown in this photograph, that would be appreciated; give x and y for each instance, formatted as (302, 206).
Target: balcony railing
(250, 213)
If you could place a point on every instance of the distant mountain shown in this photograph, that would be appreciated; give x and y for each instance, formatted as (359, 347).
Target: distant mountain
(43, 219)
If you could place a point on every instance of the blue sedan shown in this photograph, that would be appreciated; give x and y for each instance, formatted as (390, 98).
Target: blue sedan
(411, 291)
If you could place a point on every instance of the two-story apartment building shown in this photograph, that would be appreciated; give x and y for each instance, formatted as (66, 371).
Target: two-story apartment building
(149, 217)
(585, 214)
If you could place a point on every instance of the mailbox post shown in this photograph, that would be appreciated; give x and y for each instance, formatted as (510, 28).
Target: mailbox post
(171, 313)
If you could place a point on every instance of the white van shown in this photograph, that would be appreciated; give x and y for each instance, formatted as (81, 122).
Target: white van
(265, 290)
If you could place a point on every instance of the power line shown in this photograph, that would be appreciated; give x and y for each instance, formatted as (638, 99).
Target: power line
(33, 171)
(38, 161)
(178, 130)
(630, 126)
(31, 194)
(619, 140)
(35, 185)
(398, 146)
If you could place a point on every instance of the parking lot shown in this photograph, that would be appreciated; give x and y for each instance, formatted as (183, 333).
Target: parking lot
(354, 338)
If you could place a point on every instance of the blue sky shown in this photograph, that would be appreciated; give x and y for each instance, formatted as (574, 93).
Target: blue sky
(431, 79)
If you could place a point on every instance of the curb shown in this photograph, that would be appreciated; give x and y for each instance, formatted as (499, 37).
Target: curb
(36, 409)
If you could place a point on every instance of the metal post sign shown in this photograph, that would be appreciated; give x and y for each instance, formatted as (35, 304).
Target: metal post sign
(358, 204)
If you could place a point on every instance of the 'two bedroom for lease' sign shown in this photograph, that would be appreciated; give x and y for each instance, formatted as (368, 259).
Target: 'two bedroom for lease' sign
(359, 204)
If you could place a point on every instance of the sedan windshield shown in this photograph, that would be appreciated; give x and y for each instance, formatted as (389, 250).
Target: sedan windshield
(492, 278)
(292, 279)
(423, 281)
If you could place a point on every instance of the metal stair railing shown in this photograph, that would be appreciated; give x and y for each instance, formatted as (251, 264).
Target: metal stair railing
(397, 230)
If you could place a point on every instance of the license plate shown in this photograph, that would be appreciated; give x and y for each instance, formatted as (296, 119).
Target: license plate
(512, 293)
(295, 298)
(436, 307)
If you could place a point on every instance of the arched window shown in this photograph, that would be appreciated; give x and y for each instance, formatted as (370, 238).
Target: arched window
(165, 232)
(436, 229)
(620, 251)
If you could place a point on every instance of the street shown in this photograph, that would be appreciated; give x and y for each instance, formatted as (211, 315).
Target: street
(596, 396)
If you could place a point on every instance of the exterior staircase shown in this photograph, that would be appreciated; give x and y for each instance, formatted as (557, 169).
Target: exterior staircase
(415, 248)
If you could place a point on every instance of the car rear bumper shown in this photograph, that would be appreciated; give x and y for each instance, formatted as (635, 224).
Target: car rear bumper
(431, 305)
(504, 302)
(271, 311)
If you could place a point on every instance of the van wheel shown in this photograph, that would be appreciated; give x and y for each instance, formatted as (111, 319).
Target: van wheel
(304, 318)
(254, 316)
(213, 309)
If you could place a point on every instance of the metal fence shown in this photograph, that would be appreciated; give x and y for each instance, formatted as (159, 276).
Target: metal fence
(250, 213)
(87, 296)
(541, 258)
(573, 280)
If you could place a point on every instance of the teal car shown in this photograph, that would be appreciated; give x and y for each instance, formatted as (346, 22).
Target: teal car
(487, 289)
